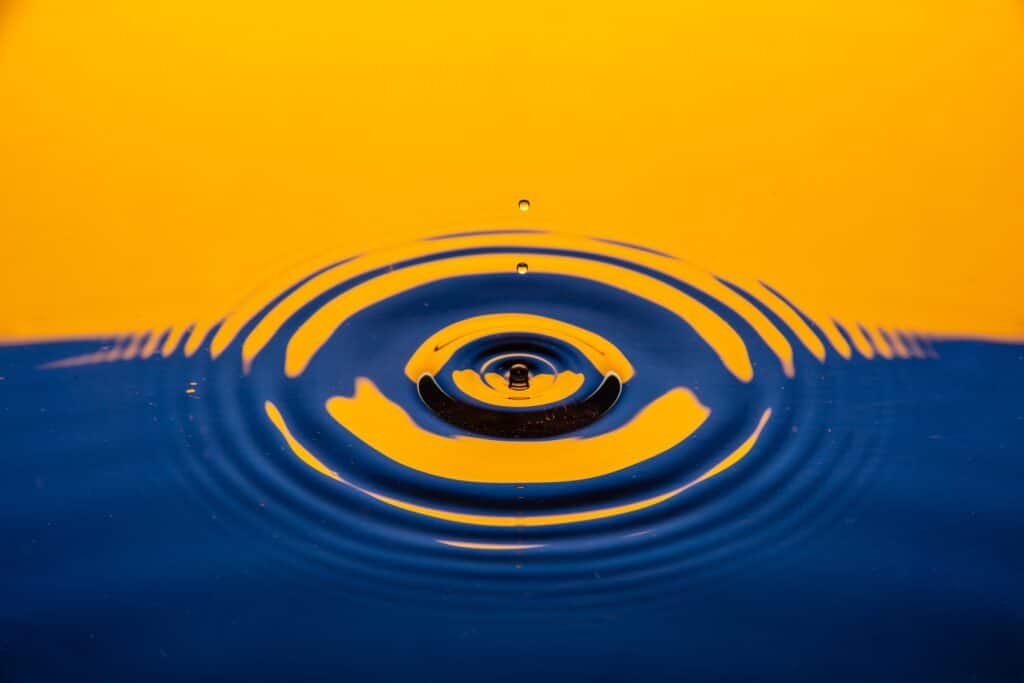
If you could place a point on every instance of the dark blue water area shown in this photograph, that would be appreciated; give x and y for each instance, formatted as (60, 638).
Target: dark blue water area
(124, 557)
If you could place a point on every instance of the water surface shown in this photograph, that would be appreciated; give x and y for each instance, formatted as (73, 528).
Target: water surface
(496, 455)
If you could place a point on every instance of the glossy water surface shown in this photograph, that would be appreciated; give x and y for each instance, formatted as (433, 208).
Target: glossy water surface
(763, 496)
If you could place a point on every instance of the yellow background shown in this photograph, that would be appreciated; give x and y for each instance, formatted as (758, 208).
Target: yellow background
(160, 159)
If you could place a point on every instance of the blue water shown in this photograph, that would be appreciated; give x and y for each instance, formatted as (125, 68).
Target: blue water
(151, 533)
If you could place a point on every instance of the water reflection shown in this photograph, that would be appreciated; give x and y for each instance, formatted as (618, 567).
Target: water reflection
(430, 405)
(427, 436)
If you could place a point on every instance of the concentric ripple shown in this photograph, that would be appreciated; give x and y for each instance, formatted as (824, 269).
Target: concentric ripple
(438, 409)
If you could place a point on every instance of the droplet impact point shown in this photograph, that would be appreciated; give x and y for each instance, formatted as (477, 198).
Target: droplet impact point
(522, 268)
(518, 377)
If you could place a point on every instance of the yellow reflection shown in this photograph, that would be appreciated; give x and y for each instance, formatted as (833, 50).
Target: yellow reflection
(388, 429)
(306, 456)
(271, 322)
(791, 318)
(435, 351)
(489, 546)
(318, 328)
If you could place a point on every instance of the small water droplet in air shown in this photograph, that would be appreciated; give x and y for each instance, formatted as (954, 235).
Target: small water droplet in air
(524, 204)
(522, 268)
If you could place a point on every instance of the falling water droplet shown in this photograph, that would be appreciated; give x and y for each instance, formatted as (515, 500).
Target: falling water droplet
(522, 268)
(524, 204)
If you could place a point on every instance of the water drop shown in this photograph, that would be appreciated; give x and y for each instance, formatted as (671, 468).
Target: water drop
(522, 268)
(519, 377)
(524, 204)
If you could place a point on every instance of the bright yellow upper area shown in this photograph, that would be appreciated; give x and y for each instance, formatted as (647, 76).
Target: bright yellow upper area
(159, 159)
